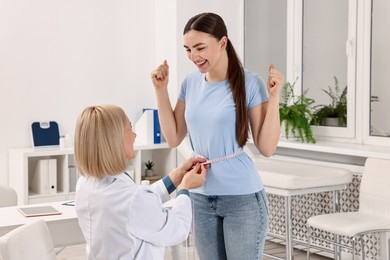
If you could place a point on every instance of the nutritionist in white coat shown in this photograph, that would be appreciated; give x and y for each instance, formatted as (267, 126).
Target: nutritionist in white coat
(119, 218)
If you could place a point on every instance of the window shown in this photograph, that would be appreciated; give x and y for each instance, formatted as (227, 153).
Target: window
(379, 69)
(327, 39)
(265, 41)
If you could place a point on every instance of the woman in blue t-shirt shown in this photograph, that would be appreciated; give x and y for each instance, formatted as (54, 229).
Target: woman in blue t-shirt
(216, 106)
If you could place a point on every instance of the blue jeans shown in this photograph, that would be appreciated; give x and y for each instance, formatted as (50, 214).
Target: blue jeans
(230, 226)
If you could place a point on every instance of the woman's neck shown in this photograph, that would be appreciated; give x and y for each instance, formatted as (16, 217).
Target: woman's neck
(219, 72)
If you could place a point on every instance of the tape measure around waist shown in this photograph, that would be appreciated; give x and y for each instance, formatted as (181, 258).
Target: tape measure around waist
(226, 157)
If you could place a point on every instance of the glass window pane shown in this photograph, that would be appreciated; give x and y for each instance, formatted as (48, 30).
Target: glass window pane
(324, 59)
(265, 35)
(380, 64)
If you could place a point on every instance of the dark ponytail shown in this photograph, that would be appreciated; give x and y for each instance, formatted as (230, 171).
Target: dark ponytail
(237, 84)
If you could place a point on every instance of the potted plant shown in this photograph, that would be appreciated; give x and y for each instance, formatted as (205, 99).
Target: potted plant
(296, 114)
(335, 113)
(149, 172)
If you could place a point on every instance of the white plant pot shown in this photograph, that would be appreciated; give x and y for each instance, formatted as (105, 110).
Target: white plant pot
(149, 173)
(331, 121)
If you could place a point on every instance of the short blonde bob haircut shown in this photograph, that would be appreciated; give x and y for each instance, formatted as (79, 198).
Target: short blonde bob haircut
(99, 141)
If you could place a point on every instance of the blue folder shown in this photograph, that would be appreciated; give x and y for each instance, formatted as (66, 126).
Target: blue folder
(156, 126)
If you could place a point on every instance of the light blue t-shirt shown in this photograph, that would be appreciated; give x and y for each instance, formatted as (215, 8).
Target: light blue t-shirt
(210, 115)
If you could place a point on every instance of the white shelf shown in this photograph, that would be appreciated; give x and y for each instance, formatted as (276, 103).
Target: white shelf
(23, 161)
(138, 146)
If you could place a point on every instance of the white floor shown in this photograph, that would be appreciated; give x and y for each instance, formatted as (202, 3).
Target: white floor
(186, 253)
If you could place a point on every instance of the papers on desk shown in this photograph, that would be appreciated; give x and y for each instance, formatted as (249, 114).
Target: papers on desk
(39, 211)
(69, 203)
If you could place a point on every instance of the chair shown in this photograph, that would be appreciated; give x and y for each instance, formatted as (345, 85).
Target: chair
(32, 241)
(8, 196)
(373, 215)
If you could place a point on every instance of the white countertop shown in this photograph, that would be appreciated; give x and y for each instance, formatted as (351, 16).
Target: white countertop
(350, 149)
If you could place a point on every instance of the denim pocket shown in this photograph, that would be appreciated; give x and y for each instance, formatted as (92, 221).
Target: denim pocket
(262, 199)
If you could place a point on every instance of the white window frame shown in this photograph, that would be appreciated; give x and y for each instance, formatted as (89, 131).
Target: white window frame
(364, 70)
(294, 67)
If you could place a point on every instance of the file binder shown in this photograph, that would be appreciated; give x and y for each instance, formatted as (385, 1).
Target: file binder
(73, 177)
(156, 127)
(44, 179)
(148, 127)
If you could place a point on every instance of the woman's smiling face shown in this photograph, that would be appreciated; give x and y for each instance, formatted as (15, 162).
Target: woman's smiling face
(204, 50)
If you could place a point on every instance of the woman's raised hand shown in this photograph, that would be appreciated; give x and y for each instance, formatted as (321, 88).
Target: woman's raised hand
(160, 76)
(275, 81)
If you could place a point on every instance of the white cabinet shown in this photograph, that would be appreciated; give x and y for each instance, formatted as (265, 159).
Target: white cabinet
(49, 174)
(24, 164)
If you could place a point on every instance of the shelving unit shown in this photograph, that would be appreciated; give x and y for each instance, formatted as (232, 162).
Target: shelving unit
(162, 155)
(22, 167)
(23, 163)
(152, 179)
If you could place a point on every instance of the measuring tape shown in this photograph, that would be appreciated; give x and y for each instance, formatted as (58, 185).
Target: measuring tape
(219, 158)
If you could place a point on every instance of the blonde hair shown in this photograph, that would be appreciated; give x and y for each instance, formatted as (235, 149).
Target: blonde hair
(99, 141)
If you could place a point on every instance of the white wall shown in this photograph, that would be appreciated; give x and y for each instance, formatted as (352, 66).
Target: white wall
(56, 57)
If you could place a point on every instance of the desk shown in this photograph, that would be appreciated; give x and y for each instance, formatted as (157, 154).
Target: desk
(64, 229)
(289, 179)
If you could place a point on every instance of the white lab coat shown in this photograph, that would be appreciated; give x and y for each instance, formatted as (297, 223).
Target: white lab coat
(122, 220)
